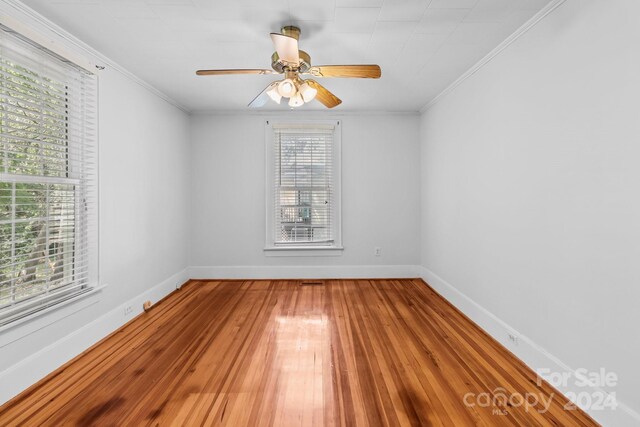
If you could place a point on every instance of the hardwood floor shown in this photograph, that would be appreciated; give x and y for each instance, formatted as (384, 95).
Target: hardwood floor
(251, 353)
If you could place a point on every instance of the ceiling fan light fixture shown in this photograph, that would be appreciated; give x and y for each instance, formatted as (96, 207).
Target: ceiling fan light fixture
(307, 92)
(274, 94)
(296, 100)
(287, 88)
(293, 64)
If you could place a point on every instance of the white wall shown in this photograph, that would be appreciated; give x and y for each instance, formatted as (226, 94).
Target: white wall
(530, 185)
(380, 204)
(144, 187)
(144, 216)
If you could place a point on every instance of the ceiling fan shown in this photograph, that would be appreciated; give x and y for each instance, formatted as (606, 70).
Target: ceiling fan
(292, 63)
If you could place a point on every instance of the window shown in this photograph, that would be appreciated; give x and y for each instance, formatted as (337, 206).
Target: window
(303, 194)
(48, 202)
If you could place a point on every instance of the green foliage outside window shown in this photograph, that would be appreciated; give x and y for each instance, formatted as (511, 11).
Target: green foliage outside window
(37, 215)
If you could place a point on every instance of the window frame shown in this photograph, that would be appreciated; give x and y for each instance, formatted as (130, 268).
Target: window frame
(311, 248)
(86, 244)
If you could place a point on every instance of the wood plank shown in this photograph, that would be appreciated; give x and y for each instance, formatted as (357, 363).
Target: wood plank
(365, 352)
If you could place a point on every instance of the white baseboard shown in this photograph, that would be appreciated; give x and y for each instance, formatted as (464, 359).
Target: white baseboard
(304, 272)
(528, 351)
(27, 372)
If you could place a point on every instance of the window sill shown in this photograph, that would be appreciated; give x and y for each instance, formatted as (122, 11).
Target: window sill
(308, 251)
(40, 319)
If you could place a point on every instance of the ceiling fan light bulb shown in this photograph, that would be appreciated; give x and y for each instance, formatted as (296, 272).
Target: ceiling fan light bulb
(286, 88)
(296, 100)
(274, 95)
(307, 92)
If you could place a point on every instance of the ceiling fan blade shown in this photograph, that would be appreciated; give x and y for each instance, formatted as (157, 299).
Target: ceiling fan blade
(287, 48)
(355, 71)
(262, 97)
(328, 99)
(237, 71)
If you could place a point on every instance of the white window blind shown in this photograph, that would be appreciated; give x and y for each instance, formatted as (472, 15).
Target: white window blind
(48, 194)
(304, 197)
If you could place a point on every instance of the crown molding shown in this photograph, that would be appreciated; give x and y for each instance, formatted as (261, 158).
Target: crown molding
(550, 7)
(19, 11)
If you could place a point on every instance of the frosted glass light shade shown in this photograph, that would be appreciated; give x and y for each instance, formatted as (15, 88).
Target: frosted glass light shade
(273, 94)
(286, 88)
(307, 92)
(296, 100)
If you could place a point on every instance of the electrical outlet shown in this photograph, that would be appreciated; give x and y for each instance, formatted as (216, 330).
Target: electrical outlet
(377, 251)
(514, 339)
(128, 310)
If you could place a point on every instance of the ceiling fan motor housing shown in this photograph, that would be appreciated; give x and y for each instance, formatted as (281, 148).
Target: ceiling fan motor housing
(279, 66)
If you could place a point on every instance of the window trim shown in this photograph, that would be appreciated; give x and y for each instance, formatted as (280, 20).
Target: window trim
(302, 249)
(71, 300)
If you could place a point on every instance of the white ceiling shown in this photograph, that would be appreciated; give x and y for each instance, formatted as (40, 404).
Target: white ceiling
(421, 45)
